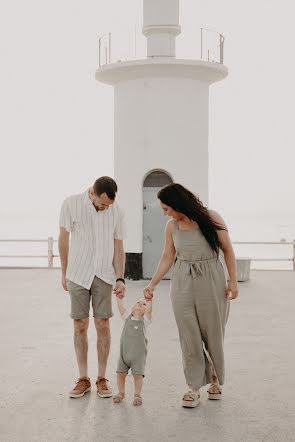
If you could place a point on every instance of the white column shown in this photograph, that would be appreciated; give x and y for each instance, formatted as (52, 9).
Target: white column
(161, 26)
(160, 123)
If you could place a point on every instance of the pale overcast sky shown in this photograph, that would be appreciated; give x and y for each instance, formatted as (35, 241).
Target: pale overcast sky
(56, 133)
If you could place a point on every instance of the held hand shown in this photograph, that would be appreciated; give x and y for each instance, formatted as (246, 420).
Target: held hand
(120, 289)
(232, 288)
(148, 292)
(64, 282)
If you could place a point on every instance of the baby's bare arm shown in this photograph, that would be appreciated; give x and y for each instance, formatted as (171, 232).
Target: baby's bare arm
(121, 306)
(149, 309)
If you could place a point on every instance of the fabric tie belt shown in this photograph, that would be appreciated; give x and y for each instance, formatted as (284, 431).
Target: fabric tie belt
(194, 267)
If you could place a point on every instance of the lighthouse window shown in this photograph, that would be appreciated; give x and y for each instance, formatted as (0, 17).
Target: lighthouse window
(157, 179)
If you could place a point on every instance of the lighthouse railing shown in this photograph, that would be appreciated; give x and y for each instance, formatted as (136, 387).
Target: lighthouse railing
(193, 43)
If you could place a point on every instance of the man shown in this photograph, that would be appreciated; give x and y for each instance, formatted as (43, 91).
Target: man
(89, 267)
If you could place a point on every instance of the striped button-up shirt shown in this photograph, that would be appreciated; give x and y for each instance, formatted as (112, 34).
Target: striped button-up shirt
(92, 238)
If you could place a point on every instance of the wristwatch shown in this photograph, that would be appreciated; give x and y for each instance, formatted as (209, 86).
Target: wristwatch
(121, 279)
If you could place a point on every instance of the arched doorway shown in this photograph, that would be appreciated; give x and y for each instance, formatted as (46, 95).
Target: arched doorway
(154, 222)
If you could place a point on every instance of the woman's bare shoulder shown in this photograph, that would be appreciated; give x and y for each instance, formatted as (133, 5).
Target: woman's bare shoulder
(216, 217)
(170, 226)
(213, 213)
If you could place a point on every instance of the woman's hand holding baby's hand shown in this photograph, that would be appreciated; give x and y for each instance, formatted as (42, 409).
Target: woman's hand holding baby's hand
(232, 290)
(148, 292)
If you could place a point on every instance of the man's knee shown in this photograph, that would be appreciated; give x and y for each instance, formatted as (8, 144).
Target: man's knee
(81, 326)
(102, 325)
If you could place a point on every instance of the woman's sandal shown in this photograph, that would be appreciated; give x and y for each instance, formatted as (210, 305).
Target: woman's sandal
(214, 392)
(137, 399)
(191, 399)
(118, 398)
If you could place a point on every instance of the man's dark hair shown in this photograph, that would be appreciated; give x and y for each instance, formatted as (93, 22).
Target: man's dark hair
(107, 185)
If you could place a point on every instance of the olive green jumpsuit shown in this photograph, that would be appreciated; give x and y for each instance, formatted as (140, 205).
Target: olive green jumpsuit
(198, 289)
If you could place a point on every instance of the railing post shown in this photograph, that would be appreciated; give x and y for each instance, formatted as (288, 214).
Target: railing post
(135, 37)
(293, 254)
(50, 252)
(110, 47)
(221, 49)
(99, 50)
(201, 43)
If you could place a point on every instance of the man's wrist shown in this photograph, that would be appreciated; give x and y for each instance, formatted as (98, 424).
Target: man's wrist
(121, 279)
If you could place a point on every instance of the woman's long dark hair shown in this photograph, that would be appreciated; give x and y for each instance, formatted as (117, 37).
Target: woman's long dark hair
(182, 200)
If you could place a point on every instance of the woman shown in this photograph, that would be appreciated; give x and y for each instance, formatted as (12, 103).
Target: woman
(199, 294)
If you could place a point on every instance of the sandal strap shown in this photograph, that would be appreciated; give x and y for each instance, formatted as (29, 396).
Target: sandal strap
(214, 389)
(192, 395)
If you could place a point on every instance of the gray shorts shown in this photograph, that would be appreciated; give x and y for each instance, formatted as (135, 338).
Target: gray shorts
(100, 293)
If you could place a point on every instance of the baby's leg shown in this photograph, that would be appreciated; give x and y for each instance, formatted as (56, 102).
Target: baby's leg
(138, 382)
(121, 377)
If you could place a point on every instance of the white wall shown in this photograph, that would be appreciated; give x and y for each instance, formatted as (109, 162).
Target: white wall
(160, 123)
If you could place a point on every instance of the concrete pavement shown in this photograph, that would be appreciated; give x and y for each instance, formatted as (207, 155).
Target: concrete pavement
(38, 368)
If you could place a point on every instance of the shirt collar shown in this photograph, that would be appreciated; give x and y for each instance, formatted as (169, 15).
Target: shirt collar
(88, 202)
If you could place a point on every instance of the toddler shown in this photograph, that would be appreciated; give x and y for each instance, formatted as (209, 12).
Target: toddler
(133, 347)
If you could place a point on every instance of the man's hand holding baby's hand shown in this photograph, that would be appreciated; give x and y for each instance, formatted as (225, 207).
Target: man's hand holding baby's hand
(120, 289)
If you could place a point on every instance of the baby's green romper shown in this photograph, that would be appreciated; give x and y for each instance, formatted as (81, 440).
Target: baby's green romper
(133, 347)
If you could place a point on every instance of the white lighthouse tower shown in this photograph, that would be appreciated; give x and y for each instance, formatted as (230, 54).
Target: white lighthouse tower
(161, 129)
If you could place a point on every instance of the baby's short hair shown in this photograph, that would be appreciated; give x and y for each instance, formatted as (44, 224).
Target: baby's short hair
(140, 300)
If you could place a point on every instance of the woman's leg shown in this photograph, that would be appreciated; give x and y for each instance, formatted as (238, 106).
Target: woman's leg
(212, 310)
(193, 359)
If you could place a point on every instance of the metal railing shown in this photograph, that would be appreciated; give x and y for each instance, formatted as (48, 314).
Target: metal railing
(271, 243)
(219, 47)
(104, 48)
(50, 254)
(208, 45)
